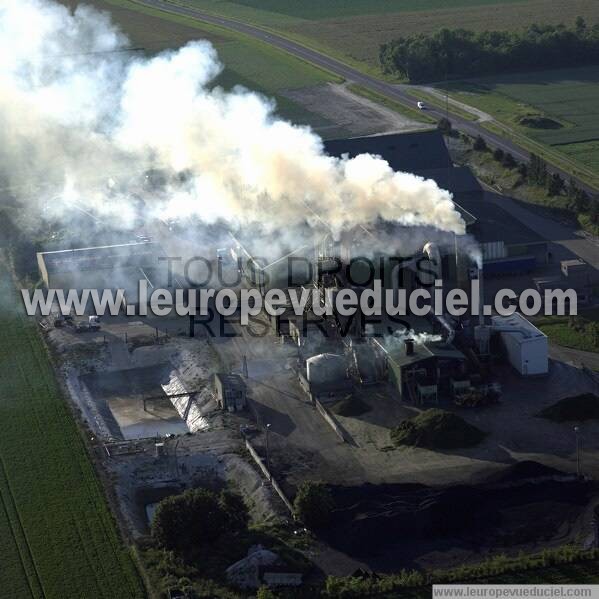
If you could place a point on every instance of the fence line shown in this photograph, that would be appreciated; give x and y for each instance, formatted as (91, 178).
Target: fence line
(268, 475)
(329, 419)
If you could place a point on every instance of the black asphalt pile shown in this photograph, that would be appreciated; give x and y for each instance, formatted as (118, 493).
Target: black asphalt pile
(576, 408)
(521, 472)
(377, 521)
(436, 429)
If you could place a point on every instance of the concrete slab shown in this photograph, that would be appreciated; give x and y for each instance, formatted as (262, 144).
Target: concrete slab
(124, 392)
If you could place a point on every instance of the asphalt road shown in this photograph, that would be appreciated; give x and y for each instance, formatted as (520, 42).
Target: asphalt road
(338, 68)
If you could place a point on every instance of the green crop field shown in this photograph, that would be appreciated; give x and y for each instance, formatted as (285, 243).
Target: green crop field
(353, 30)
(316, 9)
(584, 152)
(57, 537)
(568, 97)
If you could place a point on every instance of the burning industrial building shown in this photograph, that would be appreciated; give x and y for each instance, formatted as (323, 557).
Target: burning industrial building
(78, 111)
(168, 179)
(142, 141)
(150, 145)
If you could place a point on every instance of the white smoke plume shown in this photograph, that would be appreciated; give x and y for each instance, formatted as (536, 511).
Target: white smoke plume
(399, 338)
(77, 111)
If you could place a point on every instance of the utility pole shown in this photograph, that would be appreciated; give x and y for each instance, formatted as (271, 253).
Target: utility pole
(449, 168)
(176, 446)
(578, 452)
(267, 449)
(446, 96)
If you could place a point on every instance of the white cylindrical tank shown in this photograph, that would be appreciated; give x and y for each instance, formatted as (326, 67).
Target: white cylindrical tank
(326, 368)
(526, 346)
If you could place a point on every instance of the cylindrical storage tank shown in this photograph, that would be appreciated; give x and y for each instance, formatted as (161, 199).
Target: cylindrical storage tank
(326, 368)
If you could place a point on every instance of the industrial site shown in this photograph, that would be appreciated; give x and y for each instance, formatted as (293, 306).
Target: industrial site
(184, 401)
(302, 452)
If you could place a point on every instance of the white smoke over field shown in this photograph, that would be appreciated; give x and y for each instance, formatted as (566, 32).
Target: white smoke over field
(76, 111)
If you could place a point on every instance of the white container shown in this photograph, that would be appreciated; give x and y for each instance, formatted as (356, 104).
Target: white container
(526, 346)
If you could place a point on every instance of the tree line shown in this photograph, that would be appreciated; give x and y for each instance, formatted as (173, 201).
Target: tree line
(535, 172)
(460, 53)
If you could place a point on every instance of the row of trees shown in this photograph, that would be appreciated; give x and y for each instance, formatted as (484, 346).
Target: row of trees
(196, 518)
(193, 520)
(458, 53)
(408, 582)
(535, 173)
(579, 200)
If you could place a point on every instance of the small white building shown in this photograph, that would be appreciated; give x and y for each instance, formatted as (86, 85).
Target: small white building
(526, 346)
